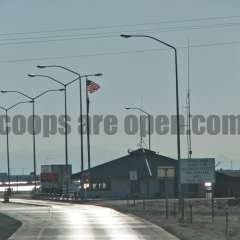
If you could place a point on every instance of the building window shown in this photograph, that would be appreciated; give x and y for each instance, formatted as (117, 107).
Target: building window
(94, 186)
(101, 186)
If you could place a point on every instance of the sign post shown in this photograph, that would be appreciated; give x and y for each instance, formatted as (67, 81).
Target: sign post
(166, 172)
(133, 176)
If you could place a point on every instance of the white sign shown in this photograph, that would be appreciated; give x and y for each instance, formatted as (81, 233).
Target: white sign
(165, 171)
(133, 176)
(199, 170)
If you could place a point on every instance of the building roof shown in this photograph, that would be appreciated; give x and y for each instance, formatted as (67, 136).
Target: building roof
(144, 161)
(230, 173)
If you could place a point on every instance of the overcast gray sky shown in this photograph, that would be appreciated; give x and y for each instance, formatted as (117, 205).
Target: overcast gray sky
(84, 35)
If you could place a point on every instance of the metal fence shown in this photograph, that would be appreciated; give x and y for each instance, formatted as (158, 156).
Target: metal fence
(223, 214)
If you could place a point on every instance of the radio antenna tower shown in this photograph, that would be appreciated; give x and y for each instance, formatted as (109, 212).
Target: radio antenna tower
(188, 103)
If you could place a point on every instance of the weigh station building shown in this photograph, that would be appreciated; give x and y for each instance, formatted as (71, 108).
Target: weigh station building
(146, 174)
(141, 173)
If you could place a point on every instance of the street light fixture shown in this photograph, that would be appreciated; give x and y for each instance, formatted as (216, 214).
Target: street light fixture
(97, 75)
(125, 36)
(6, 110)
(41, 66)
(181, 199)
(32, 100)
(149, 123)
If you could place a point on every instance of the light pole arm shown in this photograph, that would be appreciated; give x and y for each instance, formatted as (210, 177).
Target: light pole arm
(141, 110)
(71, 71)
(45, 76)
(58, 66)
(64, 68)
(47, 91)
(74, 80)
(3, 108)
(156, 39)
(18, 92)
(80, 77)
(16, 104)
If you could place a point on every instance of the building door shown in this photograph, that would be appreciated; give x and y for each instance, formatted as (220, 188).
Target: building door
(162, 188)
(135, 187)
(166, 185)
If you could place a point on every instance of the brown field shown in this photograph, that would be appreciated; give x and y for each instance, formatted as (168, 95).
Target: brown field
(201, 226)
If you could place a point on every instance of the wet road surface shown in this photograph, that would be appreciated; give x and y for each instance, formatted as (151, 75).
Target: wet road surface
(72, 221)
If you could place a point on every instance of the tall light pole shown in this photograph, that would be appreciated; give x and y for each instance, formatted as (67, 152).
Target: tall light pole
(180, 193)
(65, 117)
(149, 123)
(33, 124)
(7, 137)
(79, 78)
(65, 85)
(88, 129)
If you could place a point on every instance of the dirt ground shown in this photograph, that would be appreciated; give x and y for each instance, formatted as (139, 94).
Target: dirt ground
(199, 230)
(7, 226)
(202, 226)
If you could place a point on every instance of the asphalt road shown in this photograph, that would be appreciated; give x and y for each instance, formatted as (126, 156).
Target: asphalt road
(86, 222)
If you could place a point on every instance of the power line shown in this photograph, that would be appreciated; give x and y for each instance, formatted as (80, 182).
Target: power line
(175, 28)
(121, 25)
(59, 38)
(115, 53)
(55, 40)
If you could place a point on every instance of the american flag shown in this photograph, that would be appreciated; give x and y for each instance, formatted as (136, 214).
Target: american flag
(92, 86)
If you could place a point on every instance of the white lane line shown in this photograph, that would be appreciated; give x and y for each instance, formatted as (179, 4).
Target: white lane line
(39, 236)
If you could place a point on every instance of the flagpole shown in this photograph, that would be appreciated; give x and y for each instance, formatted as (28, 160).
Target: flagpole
(88, 130)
